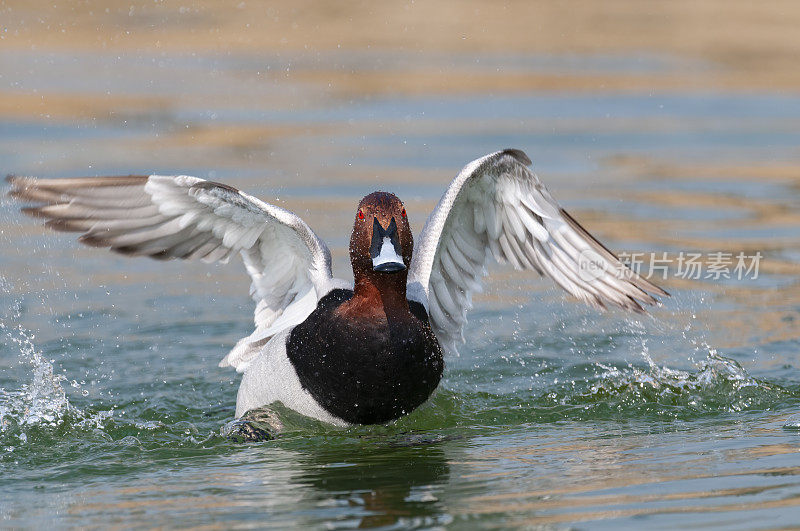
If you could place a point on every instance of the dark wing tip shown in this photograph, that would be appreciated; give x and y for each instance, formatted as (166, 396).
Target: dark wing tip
(637, 280)
(64, 225)
(210, 185)
(93, 241)
(34, 212)
(17, 185)
(519, 155)
(16, 193)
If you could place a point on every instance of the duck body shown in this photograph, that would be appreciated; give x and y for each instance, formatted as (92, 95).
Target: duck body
(366, 369)
(366, 355)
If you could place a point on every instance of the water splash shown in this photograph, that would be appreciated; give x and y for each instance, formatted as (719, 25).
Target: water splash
(719, 384)
(42, 401)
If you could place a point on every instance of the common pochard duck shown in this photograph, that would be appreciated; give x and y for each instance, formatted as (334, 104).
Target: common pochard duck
(361, 352)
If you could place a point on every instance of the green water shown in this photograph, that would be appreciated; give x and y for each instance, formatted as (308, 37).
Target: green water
(111, 401)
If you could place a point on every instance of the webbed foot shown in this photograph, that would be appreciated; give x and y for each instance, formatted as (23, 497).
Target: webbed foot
(254, 426)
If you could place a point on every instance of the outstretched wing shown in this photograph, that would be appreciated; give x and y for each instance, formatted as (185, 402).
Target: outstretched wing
(167, 217)
(496, 206)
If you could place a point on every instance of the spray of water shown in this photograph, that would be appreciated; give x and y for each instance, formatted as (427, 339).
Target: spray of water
(716, 383)
(41, 400)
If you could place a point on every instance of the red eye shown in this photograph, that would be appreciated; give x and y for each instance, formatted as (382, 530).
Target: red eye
(360, 215)
(403, 213)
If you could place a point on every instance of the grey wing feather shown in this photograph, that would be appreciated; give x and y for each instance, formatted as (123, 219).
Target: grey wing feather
(166, 217)
(497, 207)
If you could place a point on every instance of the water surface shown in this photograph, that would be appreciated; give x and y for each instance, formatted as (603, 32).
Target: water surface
(111, 401)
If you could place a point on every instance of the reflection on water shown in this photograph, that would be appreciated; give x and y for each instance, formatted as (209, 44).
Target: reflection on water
(552, 416)
(380, 485)
(384, 486)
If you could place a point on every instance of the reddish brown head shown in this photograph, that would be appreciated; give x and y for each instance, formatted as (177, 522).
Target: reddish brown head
(381, 244)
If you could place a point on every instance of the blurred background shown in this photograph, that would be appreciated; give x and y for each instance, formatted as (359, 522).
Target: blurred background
(664, 127)
(673, 123)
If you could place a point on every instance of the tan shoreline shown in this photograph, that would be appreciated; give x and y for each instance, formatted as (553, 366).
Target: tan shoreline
(717, 45)
(752, 45)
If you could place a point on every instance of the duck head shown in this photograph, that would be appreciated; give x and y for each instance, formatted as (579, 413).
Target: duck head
(381, 243)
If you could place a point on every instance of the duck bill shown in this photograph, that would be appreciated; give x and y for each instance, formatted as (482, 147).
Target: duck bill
(388, 261)
(384, 249)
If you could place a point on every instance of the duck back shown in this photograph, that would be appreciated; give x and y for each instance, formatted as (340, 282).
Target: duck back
(366, 371)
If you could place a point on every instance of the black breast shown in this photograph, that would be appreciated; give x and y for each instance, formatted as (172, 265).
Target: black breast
(366, 372)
